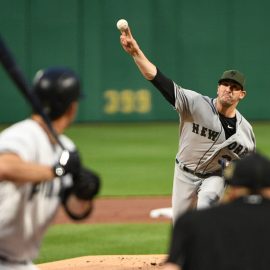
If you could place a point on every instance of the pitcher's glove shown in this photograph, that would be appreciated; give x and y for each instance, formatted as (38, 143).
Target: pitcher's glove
(86, 184)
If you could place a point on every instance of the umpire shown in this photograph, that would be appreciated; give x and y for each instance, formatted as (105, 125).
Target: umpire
(234, 235)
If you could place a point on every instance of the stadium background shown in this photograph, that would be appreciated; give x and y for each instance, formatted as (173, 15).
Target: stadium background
(190, 41)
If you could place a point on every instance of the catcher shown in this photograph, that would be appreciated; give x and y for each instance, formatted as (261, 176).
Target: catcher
(37, 176)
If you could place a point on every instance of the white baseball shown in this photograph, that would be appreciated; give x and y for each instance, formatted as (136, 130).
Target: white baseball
(122, 25)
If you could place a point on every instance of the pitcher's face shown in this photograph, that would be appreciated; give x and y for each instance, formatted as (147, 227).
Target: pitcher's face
(230, 93)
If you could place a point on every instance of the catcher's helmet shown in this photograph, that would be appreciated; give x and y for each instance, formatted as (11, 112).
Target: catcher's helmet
(56, 88)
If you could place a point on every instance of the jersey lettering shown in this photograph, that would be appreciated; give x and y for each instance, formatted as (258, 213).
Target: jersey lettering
(44, 188)
(232, 146)
(195, 128)
(203, 131)
(244, 153)
(35, 190)
(238, 149)
(212, 135)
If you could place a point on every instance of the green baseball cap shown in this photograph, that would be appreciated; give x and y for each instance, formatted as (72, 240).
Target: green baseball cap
(233, 75)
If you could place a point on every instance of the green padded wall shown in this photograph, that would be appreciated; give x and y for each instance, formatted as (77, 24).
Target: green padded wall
(192, 42)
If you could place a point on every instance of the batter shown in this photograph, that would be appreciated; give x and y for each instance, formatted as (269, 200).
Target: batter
(212, 131)
(34, 180)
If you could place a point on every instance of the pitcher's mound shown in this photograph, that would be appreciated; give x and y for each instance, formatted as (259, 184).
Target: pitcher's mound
(108, 262)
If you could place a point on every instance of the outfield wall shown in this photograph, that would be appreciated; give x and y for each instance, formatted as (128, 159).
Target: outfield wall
(191, 41)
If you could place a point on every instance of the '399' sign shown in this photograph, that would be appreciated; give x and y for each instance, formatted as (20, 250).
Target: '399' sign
(127, 101)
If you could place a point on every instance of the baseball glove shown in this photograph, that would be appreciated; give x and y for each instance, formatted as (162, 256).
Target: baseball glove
(86, 184)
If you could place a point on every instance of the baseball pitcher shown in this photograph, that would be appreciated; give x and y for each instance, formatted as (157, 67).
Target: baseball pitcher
(213, 132)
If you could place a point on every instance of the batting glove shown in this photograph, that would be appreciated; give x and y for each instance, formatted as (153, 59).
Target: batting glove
(69, 162)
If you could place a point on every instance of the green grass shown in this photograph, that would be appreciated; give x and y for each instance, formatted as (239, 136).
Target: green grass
(132, 159)
(262, 133)
(73, 240)
(138, 158)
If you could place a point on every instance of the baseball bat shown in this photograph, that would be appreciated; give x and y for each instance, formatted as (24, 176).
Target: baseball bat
(17, 76)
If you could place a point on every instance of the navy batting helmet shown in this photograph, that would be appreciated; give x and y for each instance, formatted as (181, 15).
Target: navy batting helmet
(56, 88)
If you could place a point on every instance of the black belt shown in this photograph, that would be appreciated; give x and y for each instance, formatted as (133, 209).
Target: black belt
(7, 260)
(200, 175)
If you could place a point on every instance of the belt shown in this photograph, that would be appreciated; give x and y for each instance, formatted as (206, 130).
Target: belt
(200, 175)
(7, 260)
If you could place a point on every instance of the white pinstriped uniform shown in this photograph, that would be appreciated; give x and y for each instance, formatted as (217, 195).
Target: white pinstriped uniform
(26, 210)
(202, 147)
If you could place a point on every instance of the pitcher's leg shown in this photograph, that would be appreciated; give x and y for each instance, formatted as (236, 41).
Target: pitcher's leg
(210, 191)
(184, 192)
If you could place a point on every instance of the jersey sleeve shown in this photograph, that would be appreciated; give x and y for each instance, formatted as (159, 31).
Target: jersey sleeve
(67, 142)
(181, 99)
(186, 101)
(18, 141)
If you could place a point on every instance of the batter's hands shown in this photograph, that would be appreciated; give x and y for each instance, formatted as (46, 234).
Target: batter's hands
(86, 184)
(69, 162)
(128, 43)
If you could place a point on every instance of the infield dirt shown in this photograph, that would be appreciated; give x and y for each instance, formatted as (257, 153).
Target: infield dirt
(116, 210)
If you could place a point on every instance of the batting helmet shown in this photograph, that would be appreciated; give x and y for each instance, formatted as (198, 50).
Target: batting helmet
(56, 88)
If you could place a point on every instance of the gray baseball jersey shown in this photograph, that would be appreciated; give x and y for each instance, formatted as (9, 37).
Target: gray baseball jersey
(27, 209)
(203, 144)
(203, 148)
